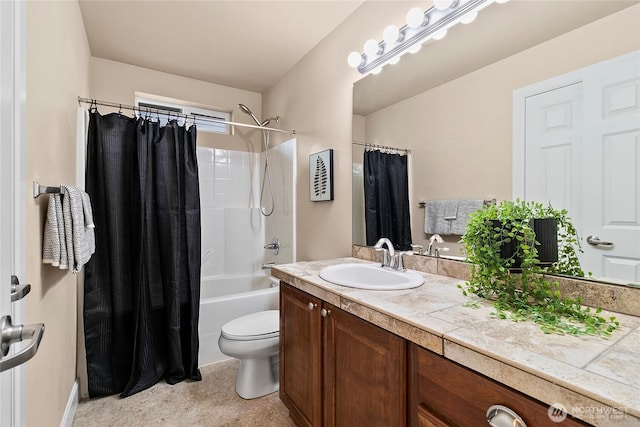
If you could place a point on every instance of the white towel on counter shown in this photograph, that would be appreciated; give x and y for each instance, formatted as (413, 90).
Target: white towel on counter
(69, 239)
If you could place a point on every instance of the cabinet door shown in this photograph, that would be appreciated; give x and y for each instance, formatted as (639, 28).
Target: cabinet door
(300, 367)
(458, 396)
(365, 372)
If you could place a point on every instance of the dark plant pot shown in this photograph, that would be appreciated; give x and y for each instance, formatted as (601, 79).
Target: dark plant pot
(546, 231)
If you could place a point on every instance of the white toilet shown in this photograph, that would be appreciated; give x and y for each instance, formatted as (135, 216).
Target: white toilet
(254, 339)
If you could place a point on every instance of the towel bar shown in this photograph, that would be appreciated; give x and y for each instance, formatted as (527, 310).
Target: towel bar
(45, 189)
(486, 202)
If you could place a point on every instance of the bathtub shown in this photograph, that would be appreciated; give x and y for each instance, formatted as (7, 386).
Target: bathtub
(224, 298)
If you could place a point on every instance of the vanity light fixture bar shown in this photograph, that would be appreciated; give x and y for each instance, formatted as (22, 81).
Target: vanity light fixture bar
(421, 26)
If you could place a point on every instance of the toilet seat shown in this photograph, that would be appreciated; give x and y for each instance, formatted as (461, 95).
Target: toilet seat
(254, 326)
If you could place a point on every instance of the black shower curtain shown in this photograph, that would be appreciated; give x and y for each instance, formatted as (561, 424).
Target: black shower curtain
(386, 199)
(142, 285)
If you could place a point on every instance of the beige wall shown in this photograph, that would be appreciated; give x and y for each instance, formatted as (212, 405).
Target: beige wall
(118, 82)
(315, 98)
(57, 73)
(460, 132)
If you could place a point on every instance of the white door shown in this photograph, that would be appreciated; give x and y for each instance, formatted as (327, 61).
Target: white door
(12, 198)
(611, 177)
(552, 149)
(582, 153)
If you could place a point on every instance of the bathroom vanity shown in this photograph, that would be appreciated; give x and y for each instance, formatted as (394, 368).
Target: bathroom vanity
(319, 342)
(418, 357)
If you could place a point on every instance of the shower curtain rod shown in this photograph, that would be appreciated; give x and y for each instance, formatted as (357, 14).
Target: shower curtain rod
(201, 117)
(381, 147)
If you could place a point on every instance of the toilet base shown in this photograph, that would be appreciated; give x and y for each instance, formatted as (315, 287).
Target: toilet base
(257, 377)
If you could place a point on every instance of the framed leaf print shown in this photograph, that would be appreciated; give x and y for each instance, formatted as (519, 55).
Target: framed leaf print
(321, 176)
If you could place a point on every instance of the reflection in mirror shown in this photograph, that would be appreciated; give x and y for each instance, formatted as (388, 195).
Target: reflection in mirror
(385, 184)
(453, 105)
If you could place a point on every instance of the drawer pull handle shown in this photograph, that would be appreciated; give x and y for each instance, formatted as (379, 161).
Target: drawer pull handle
(312, 306)
(324, 312)
(501, 416)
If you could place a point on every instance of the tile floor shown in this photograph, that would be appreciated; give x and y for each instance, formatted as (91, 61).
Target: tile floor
(211, 402)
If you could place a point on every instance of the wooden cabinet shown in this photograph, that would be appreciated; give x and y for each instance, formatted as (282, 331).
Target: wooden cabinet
(337, 369)
(300, 355)
(443, 393)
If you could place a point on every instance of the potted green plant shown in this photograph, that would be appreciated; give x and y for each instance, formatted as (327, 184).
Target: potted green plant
(502, 246)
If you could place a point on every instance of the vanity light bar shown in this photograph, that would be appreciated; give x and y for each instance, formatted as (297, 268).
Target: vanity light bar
(435, 22)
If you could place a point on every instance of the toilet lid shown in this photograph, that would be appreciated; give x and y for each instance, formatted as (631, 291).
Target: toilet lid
(263, 324)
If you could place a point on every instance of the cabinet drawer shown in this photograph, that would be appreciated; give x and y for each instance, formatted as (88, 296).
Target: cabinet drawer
(457, 396)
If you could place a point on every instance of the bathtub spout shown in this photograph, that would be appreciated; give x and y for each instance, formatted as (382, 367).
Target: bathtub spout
(268, 265)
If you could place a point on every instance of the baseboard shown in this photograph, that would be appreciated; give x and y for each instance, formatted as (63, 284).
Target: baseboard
(72, 405)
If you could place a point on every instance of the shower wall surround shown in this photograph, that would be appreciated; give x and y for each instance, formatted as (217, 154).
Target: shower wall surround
(234, 231)
(232, 226)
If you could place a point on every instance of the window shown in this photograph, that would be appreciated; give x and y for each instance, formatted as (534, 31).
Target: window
(202, 116)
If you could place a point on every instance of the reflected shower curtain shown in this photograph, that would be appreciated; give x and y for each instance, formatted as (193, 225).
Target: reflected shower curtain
(386, 199)
(142, 285)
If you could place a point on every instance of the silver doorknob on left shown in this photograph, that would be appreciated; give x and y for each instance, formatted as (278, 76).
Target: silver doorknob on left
(15, 333)
(311, 306)
(18, 291)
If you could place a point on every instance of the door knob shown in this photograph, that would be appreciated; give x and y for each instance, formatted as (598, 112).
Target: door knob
(18, 291)
(15, 333)
(311, 306)
(595, 241)
(324, 312)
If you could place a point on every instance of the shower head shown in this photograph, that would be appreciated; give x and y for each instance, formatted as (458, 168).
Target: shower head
(248, 111)
(267, 121)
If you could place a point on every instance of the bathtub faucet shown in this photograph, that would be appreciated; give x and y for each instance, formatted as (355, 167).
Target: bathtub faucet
(268, 265)
(274, 246)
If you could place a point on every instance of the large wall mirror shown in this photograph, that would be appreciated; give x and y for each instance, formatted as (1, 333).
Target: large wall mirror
(452, 104)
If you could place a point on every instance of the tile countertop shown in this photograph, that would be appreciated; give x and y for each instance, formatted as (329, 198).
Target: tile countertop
(596, 379)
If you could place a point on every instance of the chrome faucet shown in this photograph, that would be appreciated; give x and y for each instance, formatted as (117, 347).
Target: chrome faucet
(432, 239)
(389, 257)
(387, 254)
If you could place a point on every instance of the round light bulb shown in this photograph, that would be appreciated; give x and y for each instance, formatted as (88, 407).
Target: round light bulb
(391, 34)
(376, 70)
(371, 47)
(415, 17)
(440, 34)
(469, 17)
(415, 48)
(394, 60)
(354, 59)
(443, 4)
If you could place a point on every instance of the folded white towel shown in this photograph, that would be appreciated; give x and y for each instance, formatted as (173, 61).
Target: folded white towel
(78, 224)
(465, 208)
(434, 222)
(69, 239)
(53, 230)
(450, 209)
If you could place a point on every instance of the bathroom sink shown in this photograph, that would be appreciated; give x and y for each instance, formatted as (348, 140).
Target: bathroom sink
(370, 276)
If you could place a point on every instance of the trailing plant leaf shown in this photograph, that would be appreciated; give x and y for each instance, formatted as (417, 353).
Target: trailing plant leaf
(527, 294)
